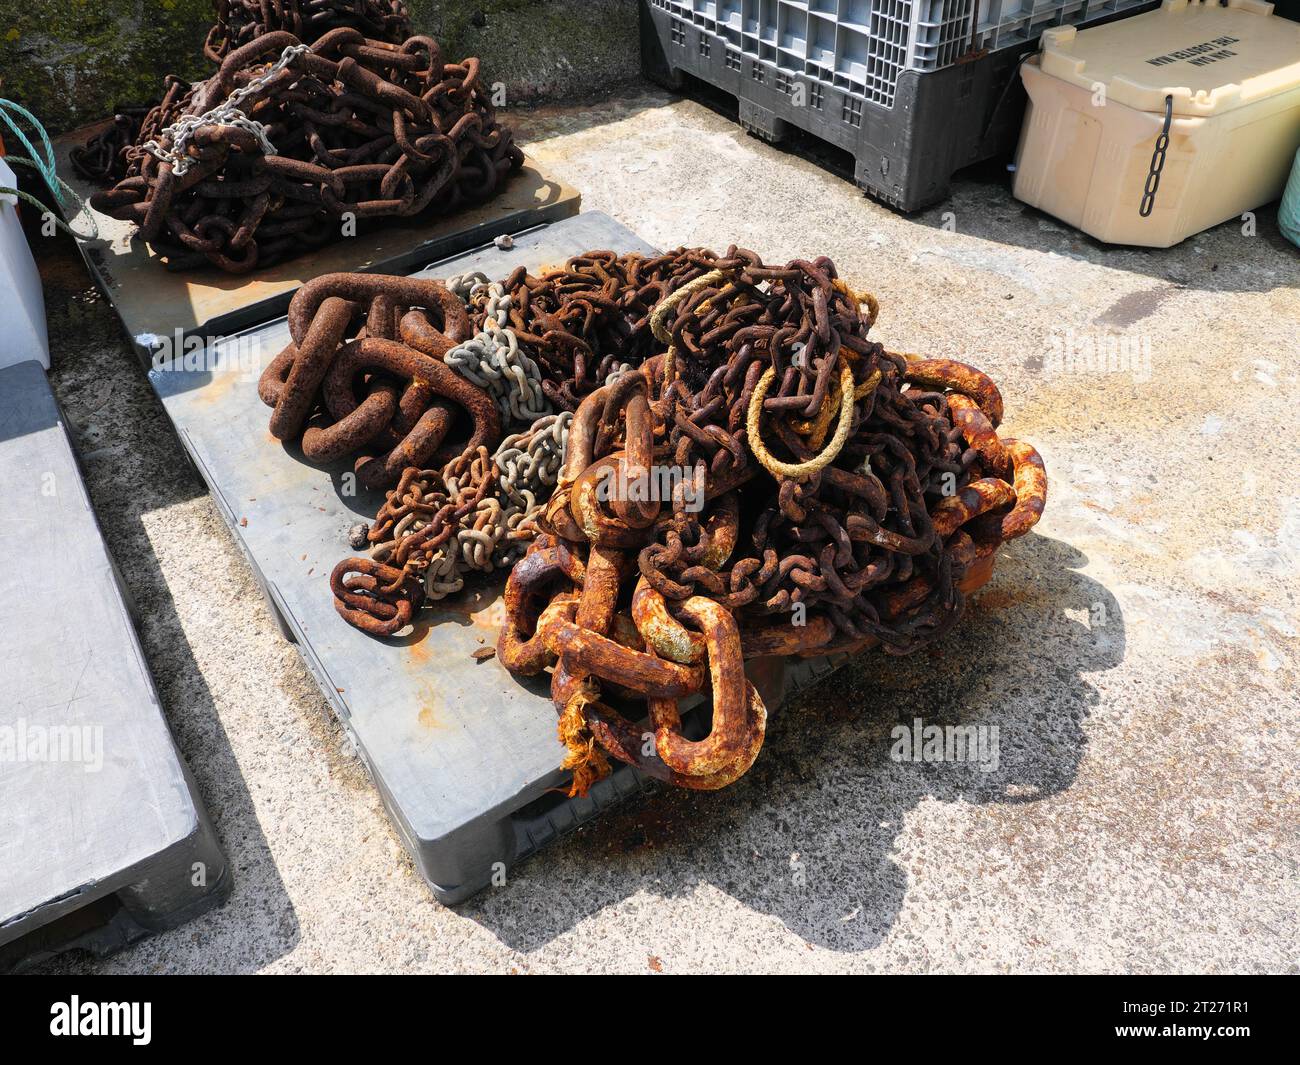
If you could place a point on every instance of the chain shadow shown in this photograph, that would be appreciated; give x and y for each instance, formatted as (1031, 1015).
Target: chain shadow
(809, 834)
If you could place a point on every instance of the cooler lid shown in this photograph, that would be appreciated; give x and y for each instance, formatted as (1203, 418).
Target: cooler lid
(1209, 58)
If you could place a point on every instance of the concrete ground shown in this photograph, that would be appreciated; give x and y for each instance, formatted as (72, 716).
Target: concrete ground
(1138, 653)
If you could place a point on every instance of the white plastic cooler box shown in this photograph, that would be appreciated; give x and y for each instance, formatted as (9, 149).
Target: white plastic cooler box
(1225, 78)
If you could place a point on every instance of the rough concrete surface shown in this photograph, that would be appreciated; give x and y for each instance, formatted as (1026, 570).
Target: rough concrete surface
(1138, 653)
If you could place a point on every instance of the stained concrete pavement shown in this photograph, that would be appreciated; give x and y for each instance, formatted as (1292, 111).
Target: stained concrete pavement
(1138, 653)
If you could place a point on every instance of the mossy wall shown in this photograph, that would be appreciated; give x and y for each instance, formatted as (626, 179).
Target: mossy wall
(71, 61)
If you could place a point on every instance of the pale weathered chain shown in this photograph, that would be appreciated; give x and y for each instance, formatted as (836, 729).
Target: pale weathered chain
(497, 532)
(494, 362)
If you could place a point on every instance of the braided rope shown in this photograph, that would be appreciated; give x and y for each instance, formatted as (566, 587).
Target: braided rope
(799, 471)
(669, 302)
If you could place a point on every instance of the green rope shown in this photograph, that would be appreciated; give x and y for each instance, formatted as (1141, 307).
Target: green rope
(44, 164)
(63, 190)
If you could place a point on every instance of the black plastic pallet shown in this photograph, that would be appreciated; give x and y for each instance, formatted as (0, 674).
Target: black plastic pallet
(904, 155)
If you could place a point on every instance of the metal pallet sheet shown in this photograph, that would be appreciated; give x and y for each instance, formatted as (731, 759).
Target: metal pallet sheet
(153, 301)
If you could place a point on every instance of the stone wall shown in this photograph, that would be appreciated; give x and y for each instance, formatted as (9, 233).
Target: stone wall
(71, 61)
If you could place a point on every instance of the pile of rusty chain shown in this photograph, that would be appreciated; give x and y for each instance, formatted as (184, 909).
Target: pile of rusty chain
(491, 534)
(376, 367)
(825, 495)
(360, 129)
(533, 350)
(104, 158)
(241, 21)
(473, 514)
(746, 474)
(588, 321)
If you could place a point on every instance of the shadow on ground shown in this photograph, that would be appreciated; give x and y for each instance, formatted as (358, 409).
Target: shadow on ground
(808, 835)
(133, 465)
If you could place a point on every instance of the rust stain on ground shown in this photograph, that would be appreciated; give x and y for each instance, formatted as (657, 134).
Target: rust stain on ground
(1130, 309)
(430, 715)
(999, 598)
(217, 387)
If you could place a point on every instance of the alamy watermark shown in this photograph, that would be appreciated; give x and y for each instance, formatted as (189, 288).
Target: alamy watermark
(74, 1017)
(658, 484)
(1075, 352)
(26, 741)
(179, 353)
(919, 742)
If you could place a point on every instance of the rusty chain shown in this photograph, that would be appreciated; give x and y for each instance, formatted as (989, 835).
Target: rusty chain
(104, 158)
(490, 535)
(830, 496)
(241, 21)
(362, 130)
(765, 479)
(431, 531)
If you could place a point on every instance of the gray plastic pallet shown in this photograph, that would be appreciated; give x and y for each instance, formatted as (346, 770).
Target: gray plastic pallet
(102, 836)
(464, 755)
(907, 87)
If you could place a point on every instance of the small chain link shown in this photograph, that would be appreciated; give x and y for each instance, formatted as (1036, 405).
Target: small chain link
(1157, 162)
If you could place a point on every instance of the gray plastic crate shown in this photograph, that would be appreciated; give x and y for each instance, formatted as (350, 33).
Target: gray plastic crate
(913, 89)
(465, 756)
(103, 838)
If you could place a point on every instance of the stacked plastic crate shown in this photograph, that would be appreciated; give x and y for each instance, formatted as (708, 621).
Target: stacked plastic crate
(913, 89)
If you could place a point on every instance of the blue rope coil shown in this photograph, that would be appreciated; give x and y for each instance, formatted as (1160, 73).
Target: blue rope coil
(1288, 214)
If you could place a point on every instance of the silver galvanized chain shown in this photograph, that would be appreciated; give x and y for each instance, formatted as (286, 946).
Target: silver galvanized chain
(228, 113)
(492, 360)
